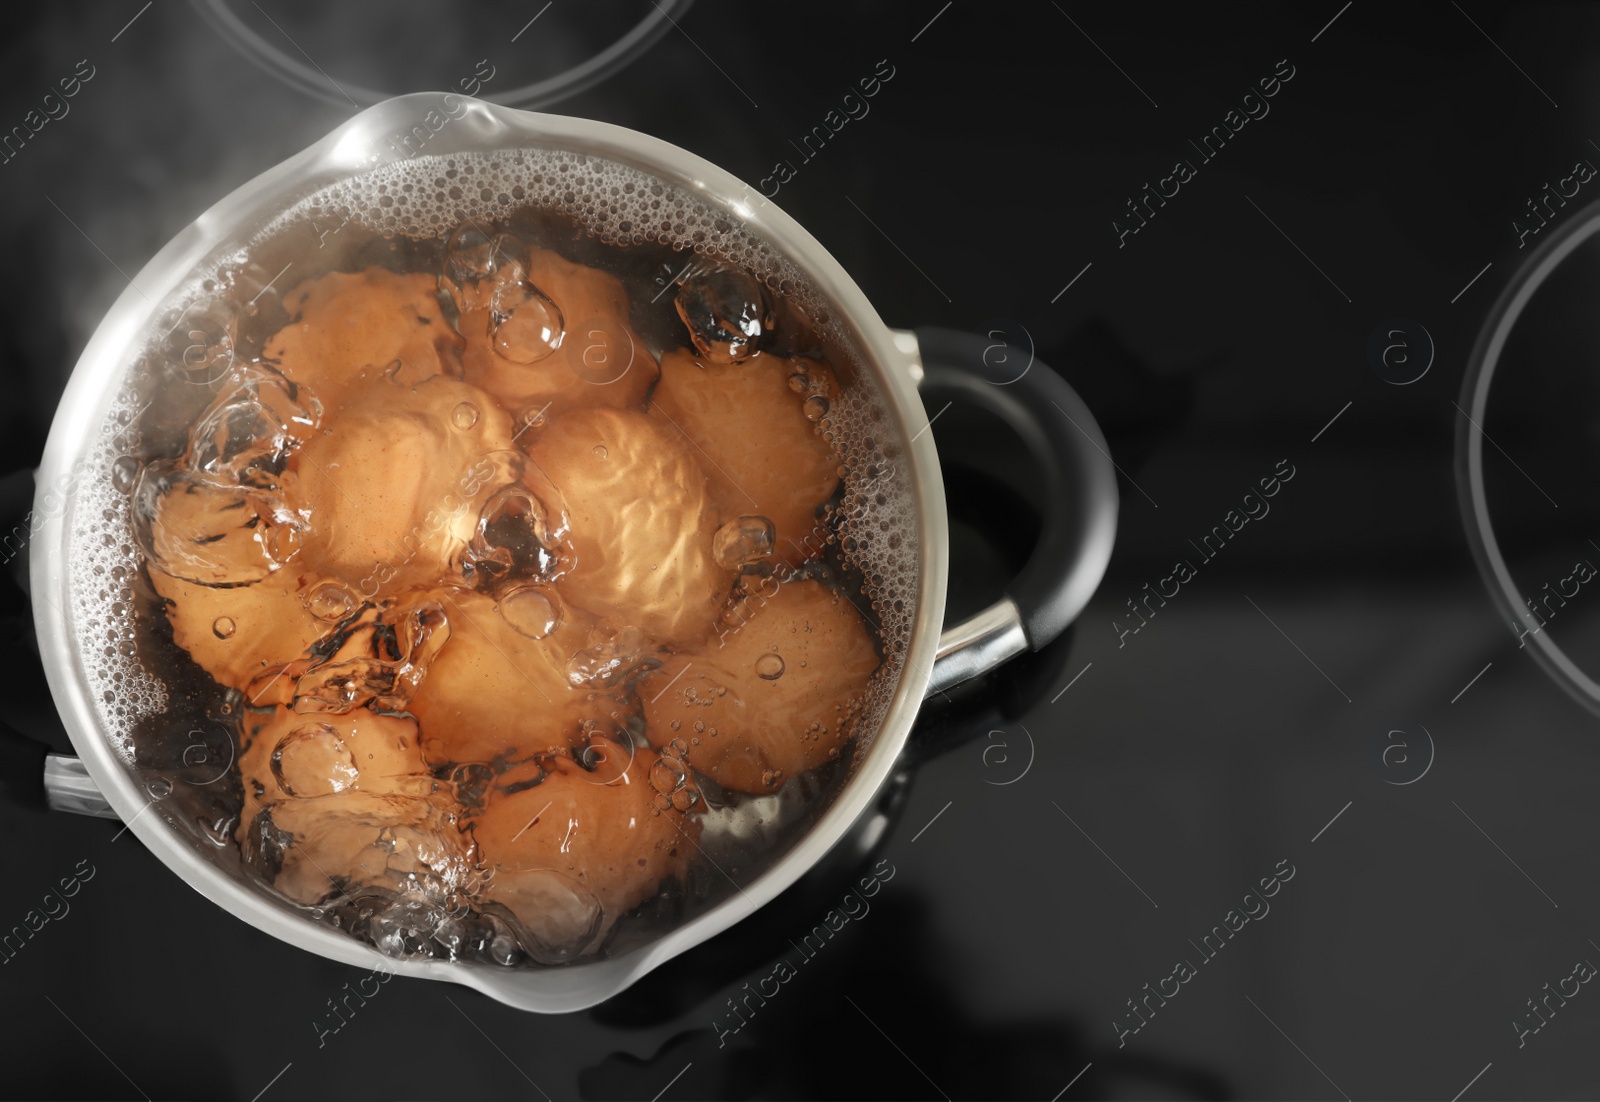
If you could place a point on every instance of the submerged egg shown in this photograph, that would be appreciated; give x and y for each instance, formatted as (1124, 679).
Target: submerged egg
(781, 686)
(590, 823)
(544, 304)
(642, 522)
(761, 454)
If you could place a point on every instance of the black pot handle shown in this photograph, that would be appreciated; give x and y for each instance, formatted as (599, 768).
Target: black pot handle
(1079, 481)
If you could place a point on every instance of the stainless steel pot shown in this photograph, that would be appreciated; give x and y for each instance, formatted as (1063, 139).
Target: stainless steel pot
(1065, 568)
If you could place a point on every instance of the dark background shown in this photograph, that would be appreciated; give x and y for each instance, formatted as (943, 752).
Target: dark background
(1180, 767)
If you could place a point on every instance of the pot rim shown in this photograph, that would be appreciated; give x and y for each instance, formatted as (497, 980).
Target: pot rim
(361, 144)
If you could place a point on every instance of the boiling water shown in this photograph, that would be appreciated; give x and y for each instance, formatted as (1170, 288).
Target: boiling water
(499, 557)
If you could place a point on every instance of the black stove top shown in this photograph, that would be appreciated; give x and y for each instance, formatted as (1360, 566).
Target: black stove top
(1290, 813)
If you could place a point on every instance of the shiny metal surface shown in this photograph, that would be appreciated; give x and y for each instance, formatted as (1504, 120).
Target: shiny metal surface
(977, 645)
(68, 787)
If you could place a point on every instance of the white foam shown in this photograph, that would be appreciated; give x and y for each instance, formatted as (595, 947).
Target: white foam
(102, 562)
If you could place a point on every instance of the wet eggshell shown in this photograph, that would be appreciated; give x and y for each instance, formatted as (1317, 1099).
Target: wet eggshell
(347, 842)
(642, 523)
(321, 754)
(492, 692)
(394, 483)
(764, 457)
(767, 729)
(601, 829)
(601, 360)
(354, 795)
(271, 626)
(344, 322)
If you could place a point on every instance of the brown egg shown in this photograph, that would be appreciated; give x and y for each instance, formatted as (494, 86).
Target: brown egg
(238, 634)
(333, 848)
(342, 323)
(494, 692)
(578, 849)
(334, 804)
(642, 523)
(763, 455)
(776, 698)
(208, 530)
(288, 755)
(577, 350)
(394, 483)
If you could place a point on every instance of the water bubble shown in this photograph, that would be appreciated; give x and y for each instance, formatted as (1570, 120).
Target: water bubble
(611, 663)
(600, 451)
(222, 627)
(521, 533)
(534, 418)
(407, 927)
(532, 610)
(500, 942)
(472, 782)
(331, 601)
(815, 407)
(204, 531)
(248, 432)
(668, 775)
(472, 262)
(526, 324)
(124, 473)
(312, 760)
(464, 416)
(742, 542)
(799, 382)
(769, 667)
(727, 313)
(379, 661)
